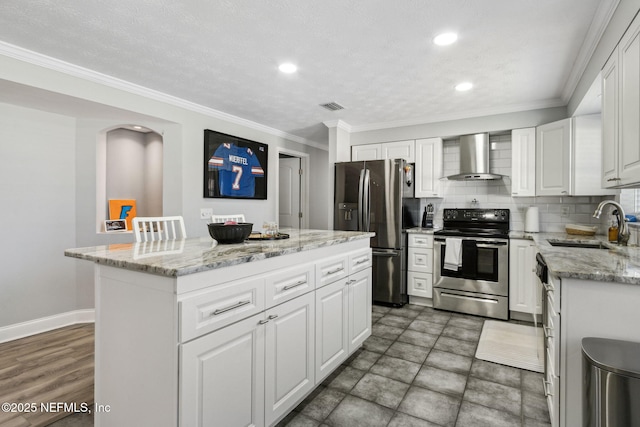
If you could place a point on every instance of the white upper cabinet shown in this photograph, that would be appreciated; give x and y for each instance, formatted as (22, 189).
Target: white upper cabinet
(621, 111)
(366, 152)
(553, 158)
(385, 150)
(399, 150)
(523, 162)
(567, 154)
(428, 167)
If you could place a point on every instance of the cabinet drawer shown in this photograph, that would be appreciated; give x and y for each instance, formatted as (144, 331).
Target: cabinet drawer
(420, 284)
(213, 309)
(289, 283)
(359, 261)
(331, 269)
(420, 260)
(418, 240)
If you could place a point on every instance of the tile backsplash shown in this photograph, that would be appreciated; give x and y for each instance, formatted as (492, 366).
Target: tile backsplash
(555, 211)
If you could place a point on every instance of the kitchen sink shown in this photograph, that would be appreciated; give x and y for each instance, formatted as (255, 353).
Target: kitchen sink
(570, 244)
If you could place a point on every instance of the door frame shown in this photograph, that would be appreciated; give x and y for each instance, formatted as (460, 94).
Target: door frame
(304, 184)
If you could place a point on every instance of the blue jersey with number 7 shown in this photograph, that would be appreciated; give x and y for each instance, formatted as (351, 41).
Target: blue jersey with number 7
(238, 168)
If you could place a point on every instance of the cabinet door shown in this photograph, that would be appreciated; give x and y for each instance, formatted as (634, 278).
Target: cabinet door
(523, 162)
(525, 294)
(222, 377)
(332, 322)
(366, 152)
(428, 167)
(420, 284)
(289, 367)
(629, 57)
(359, 308)
(553, 158)
(399, 150)
(610, 116)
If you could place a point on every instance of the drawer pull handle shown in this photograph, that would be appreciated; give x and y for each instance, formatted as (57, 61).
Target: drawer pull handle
(231, 307)
(548, 287)
(295, 285)
(362, 261)
(268, 319)
(351, 281)
(546, 384)
(548, 332)
(337, 270)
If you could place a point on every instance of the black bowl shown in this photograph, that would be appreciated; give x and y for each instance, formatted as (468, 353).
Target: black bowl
(230, 233)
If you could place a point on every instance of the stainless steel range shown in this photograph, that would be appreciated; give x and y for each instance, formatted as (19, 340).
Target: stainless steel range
(471, 264)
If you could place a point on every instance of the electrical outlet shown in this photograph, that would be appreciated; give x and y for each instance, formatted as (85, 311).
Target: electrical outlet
(206, 213)
(565, 210)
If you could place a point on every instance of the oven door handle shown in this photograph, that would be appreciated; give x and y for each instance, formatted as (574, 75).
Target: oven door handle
(490, 244)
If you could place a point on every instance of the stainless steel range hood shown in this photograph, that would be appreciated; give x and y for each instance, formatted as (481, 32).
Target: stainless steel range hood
(474, 159)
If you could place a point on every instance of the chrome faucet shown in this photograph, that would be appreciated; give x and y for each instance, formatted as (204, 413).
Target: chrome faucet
(623, 228)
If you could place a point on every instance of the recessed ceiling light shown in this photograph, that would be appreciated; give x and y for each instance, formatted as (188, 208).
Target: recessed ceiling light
(136, 127)
(288, 68)
(445, 39)
(461, 87)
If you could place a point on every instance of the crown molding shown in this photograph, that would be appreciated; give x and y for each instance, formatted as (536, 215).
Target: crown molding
(67, 68)
(338, 124)
(601, 19)
(459, 116)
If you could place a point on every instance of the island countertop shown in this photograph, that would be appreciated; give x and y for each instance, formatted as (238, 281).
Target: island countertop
(175, 258)
(614, 264)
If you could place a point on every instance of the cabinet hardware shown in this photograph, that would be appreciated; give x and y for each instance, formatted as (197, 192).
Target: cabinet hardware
(614, 179)
(548, 332)
(548, 287)
(351, 281)
(231, 307)
(337, 270)
(295, 285)
(273, 316)
(515, 194)
(546, 384)
(262, 322)
(362, 261)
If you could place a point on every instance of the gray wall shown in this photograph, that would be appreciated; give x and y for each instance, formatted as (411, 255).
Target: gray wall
(37, 184)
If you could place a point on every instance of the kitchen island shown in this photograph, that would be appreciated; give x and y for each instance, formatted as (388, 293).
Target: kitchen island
(191, 333)
(594, 293)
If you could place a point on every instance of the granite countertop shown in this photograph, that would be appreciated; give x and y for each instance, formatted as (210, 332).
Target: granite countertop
(181, 257)
(614, 264)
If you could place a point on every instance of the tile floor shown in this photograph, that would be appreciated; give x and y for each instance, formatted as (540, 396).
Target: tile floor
(418, 369)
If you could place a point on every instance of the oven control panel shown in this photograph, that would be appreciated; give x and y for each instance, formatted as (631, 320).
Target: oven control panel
(476, 215)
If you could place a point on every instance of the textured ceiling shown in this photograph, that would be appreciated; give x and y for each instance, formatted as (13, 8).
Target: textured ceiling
(374, 57)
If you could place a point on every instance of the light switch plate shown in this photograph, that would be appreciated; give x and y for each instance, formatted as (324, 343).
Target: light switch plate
(206, 213)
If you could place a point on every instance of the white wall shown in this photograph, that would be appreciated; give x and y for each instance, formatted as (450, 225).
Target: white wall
(37, 186)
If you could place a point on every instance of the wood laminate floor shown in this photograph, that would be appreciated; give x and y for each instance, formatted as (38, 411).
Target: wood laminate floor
(41, 373)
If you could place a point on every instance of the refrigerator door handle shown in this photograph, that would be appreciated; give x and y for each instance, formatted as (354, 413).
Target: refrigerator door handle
(367, 208)
(361, 201)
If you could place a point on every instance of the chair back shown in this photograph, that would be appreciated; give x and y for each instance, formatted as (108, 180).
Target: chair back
(149, 229)
(229, 217)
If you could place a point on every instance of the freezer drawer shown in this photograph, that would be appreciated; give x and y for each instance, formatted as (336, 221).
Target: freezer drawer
(389, 282)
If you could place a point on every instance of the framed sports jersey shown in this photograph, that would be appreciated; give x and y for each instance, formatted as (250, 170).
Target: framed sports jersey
(234, 167)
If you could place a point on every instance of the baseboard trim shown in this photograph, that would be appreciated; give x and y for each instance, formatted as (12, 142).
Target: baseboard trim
(44, 324)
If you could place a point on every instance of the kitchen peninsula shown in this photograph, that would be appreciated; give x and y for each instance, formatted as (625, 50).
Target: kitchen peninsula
(191, 333)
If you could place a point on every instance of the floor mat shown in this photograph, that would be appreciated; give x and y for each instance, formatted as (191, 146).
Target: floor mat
(512, 344)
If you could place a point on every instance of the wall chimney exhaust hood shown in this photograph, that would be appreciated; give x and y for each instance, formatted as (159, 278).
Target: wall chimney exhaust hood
(474, 159)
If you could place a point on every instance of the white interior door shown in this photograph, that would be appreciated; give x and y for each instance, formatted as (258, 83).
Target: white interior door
(289, 192)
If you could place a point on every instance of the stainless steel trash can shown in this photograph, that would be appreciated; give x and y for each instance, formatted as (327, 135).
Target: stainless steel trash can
(611, 383)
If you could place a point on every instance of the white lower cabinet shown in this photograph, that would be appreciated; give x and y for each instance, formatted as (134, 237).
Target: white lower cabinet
(332, 322)
(525, 295)
(254, 371)
(420, 268)
(289, 372)
(222, 376)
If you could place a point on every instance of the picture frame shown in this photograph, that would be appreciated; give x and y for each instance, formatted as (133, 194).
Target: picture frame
(124, 209)
(234, 167)
(115, 225)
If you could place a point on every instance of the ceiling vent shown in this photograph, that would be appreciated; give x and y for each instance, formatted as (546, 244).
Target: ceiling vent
(332, 106)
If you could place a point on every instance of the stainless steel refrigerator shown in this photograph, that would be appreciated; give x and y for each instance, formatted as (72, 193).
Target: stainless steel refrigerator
(369, 197)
